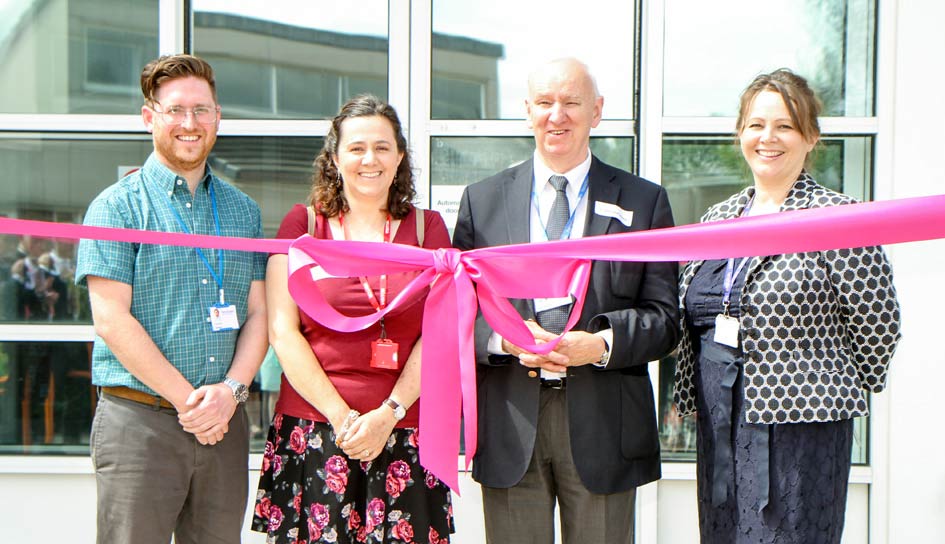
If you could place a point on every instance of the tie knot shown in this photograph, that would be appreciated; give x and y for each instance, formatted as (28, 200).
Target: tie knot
(558, 182)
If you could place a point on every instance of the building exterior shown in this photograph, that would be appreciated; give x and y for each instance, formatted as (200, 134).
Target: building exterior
(670, 72)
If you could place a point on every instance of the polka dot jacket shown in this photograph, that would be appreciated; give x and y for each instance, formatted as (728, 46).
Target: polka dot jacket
(817, 329)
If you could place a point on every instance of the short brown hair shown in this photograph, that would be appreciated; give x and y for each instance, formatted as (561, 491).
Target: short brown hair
(801, 102)
(327, 195)
(167, 67)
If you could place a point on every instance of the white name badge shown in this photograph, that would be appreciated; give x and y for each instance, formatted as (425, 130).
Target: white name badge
(223, 318)
(606, 209)
(726, 330)
(542, 304)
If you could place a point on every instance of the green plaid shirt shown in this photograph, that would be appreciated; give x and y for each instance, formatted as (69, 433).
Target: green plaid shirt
(172, 289)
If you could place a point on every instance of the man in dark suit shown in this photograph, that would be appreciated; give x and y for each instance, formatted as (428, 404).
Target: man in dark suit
(576, 426)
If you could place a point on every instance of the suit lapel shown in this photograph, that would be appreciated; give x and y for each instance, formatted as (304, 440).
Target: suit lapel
(517, 195)
(601, 188)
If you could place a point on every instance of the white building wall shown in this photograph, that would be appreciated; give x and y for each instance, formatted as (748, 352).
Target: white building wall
(915, 501)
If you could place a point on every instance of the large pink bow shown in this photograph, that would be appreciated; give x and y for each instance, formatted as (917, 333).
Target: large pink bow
(555, 269)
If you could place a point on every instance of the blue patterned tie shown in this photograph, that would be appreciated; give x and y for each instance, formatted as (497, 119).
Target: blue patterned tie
(554, 319)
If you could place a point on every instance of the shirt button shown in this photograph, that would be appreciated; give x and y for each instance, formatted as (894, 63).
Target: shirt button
(204, 281)
(180, 181)
(188, 204)
(212, 359)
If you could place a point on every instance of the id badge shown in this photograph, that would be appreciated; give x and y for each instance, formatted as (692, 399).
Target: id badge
(726, 330)
(223, 318)
(384, 354)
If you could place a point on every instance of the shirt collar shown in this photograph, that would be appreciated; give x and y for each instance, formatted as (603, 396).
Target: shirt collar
(165, 179)
(575, 176)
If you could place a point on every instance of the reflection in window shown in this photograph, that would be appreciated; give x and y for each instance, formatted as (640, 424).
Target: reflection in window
(46, 397)
(701, 171)
(492, 45)
(456, 162)
(276, 172)
(282, 60)
(81, 56)
(712, 53)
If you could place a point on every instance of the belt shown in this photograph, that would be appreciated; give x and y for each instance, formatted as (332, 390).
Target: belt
(128, 393)
(559, 383)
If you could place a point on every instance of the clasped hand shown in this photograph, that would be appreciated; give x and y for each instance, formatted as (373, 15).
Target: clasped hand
(208, 412)
(576, 348)
(366, 437)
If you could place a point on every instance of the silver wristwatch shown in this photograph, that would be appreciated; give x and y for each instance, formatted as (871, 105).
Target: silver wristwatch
(240, 391)
(399, 410)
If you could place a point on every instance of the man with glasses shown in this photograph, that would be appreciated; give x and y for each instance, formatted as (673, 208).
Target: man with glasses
(180, 332)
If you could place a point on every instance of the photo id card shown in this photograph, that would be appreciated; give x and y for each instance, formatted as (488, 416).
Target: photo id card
(384, 354)
(223, 318)
(726, 330)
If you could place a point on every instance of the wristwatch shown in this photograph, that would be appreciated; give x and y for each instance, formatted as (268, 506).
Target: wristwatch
(240, 391)
(399, 411)
(605, 358)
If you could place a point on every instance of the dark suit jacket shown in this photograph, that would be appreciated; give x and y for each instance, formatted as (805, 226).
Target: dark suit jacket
(611, 411)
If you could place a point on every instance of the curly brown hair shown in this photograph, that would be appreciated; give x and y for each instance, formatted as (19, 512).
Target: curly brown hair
(165, 68)
(327, 195)
(801, 102)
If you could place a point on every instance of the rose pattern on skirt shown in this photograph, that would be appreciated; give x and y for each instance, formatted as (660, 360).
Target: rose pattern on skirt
(320, 495)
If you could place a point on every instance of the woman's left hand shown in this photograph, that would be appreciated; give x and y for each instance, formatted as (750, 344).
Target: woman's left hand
(368, 435)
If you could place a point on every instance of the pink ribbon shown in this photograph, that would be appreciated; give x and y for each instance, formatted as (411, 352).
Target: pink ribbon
(550, 269)
(555, 269)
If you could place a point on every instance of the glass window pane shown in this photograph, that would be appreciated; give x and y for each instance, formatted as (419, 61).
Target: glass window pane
(701, 171)
(46, 397)
(81, 56)
(274, 171)
(459, 161)
(283, 60)
(483, 52)
(714, 49)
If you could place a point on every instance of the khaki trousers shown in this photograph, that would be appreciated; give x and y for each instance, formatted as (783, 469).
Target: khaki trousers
(524, 513)
(154, 479)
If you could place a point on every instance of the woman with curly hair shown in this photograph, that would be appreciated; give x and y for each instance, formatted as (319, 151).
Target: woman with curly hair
(341, 460)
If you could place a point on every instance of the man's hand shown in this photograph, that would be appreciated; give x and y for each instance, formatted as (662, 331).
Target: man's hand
(208, 412)
(554, 361)
(581, 348)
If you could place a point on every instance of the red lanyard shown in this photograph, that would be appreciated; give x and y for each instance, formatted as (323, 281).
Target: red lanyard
(378, 305)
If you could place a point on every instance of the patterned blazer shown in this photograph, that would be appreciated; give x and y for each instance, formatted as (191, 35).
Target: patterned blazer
(817, 329)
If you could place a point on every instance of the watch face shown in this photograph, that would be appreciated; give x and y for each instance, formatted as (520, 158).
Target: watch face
(241, 394)
(399, 413)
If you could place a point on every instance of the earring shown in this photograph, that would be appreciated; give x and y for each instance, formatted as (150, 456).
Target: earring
(337, 178)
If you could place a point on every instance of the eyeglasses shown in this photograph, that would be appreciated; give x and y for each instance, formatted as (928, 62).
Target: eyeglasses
(176, 115)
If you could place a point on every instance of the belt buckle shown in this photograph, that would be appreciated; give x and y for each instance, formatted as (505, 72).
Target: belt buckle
(556, 383)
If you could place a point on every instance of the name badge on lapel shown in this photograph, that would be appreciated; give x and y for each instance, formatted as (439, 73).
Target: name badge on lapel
(606, 209)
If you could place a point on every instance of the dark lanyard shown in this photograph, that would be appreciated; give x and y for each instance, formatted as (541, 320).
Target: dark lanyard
(566, 232)
(731, 272)
(216, 227)
(377, 304)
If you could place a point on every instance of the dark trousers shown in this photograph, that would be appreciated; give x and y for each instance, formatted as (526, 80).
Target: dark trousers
(154, 479)
(525, 512)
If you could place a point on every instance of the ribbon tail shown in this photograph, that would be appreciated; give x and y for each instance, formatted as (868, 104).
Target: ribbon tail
(466, 313)
(439, 385)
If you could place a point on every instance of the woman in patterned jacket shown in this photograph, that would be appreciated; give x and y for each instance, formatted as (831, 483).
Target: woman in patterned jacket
(778, 353)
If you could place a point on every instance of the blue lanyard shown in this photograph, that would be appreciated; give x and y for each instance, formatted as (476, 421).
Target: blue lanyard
(566, 232)
(731, 272)
(216, 227)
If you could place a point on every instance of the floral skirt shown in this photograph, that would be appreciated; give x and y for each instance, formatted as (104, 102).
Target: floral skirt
(309, 491)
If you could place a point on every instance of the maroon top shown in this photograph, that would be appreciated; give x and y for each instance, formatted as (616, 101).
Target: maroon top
(346, 357)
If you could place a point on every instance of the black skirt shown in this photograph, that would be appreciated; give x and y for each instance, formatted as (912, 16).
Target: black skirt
(310, 491)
